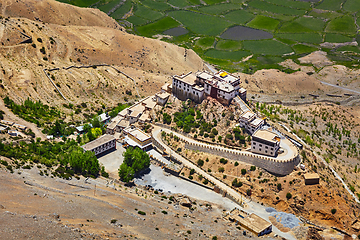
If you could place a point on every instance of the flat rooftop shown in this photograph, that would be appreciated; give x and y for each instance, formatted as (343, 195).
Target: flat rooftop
(311, 176)
(163, 95)
(204, 75)
(226, 87)
(98, 142)
(242, 90)
(257, 121)
(189, 78)
(138, 134)
(267, 135)
(247, 115)
(251, 221)
(149, 103)
(226, 76)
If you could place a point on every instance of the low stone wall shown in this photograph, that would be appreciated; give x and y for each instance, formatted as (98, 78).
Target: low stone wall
(280, 167)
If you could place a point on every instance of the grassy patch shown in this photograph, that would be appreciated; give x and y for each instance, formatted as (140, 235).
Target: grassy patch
(147, 13)
(352, 5)
(160, 6)
(219, 8)
(200, 23)
(267, 47)
(122, 10)
(337, 38)
(110, 5)
(157, 27)
(262, 22)
(315, 24)
(80, 3)
(332, 5)
(345, 24)
(234, 55)
(239, 16)
(301, 49)
(194, 2)
(205, 42)
(294, 27)
(302, 37)
(292, 4)
(211, 2)
(137, 20)
(325, 15)
(349, 48)
(265, 6)
(228, 45)
(179, 3)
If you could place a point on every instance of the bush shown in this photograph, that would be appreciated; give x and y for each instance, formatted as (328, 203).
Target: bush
(205, 181)
(243, 171)
(141, 213)
(200, 163)
(113, 221)
(333, 211)
(164, 212)
(223, 161)
(192, 171)
(221, 169)
(236, 164)
(236, 183)
(252, 168)
(278, 186)
(288, 195)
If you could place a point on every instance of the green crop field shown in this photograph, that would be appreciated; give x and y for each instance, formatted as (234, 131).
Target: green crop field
(345, 24)
(298, 26)
(265, 23)
(201, 23)
(332, 5)
(228, 45)
(226, 55)
(220, 8)
(337, 38)
(267, 47)
(157, 27)
(239, 16)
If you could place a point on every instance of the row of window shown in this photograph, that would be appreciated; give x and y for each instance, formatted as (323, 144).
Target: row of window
(260, 145)
(271, 153)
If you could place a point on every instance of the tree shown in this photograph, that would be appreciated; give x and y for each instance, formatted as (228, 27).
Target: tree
(135, 160)
(95, 122)
(333, 211)
(279, 186)
(91, 136)
(288, 195)
(243, 171)
(200, 162)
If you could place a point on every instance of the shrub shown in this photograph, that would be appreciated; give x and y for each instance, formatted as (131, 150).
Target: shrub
(223, 161)
(278, 186)
(192, 171)
(205, 181)
(164, 212)
(188, 231)
(236, 164)
(333, 211)
(236, 183)
(288, 195)
(200, 163)
(243, 171)
(252, 168)
(141, 213)
(191, 177)
(113, 221)
(221, 169)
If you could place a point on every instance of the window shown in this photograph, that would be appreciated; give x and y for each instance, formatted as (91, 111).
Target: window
(266, 147)
(271, 149)
(253, 147)
(259, 149)
(254, 143)
(271, 153)
(265, 151)
(260, 145)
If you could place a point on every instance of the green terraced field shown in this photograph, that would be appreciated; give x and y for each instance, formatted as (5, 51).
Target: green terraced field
(264, 23)
(217, 27)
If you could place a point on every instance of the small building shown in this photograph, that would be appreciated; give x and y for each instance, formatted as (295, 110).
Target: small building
(145, 117)
(242, 94)
(100, 145)
(13, 133)
(311, 178)
(111, 128)
(161, 98)
(8, 123)
(184, 87)
(255, 124)
(80, 129)
(251, 222)
(136, 138)
(166, 88)
(265, 142)
(3, 129)
(104, 118)
(20, 127)
(124, 112)
(124, 123)
(250, 121)
(149, 103)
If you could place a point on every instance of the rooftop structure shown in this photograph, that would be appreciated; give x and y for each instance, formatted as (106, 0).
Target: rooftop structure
(80, 129)
(149, 103)
(137, 138)
(100, 145)
(104, 117)
(251, 222)
(185, 87)
(166, 88)
(188, 78)
(311, 178)
(265, 142)
(111, 128)
(251, 122)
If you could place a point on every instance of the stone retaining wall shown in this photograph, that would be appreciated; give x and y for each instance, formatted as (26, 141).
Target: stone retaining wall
(280, 167)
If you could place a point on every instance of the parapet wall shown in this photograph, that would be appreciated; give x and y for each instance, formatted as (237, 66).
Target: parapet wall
(280, 167)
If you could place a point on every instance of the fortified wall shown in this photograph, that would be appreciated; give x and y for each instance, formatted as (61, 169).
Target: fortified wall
(275, 166)
(185, 95)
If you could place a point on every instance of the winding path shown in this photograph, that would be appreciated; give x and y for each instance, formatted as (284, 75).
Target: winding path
(346, 89)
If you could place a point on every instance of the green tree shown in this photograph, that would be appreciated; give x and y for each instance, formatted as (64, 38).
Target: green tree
(126, 173)
(135, 160)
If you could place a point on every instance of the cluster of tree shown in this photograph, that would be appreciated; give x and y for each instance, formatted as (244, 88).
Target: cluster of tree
(135, 160)
(34, 112)
(2, 114)
(118, 109)
(67, 155)
(59, 128)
